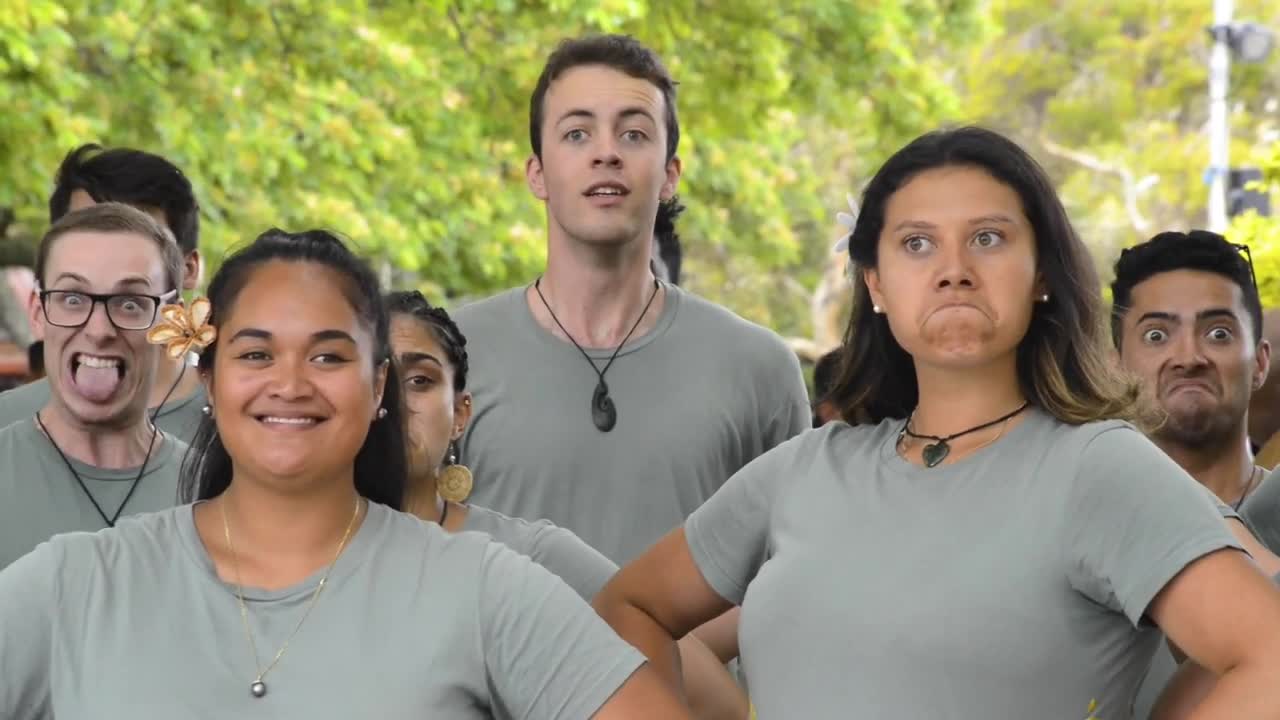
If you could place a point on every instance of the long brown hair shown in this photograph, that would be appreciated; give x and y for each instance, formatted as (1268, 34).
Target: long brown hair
(1063, 365)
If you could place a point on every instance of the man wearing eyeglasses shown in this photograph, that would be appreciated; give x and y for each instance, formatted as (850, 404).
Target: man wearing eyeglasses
(1187, 321)
(90, 174)
(91, 455)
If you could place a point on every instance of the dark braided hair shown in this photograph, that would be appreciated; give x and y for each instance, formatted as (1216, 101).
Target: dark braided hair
(411, 302)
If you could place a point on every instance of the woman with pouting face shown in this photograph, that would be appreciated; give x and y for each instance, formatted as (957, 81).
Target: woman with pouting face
(996, 541)
(431, 356)
(292, 587)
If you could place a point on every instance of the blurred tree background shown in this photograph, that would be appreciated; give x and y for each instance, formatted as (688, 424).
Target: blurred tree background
(404, 124)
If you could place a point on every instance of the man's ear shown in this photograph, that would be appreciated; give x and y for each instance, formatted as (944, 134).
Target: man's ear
(192, 271)
(533, 176)
(674, 170)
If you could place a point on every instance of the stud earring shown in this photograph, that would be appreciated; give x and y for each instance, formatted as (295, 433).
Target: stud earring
(455, 481)
(207, 410)
(1044, 297)
(875, 309)
(382, 412)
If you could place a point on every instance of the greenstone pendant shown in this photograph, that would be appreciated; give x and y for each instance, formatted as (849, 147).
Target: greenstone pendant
(935, 453)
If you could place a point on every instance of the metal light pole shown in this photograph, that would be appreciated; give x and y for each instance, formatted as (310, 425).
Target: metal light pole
(1219, 128)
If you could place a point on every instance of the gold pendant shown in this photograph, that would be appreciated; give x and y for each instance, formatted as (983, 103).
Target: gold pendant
(454, 483)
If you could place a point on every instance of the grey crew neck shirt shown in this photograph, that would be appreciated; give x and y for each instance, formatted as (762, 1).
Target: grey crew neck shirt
(413, 623)
(1261, 511)
(697, 397)
(1013, 583)
(178, 417)
(39, 496)
(554, 548)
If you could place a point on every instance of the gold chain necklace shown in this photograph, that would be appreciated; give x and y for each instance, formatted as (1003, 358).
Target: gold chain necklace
(259, 688)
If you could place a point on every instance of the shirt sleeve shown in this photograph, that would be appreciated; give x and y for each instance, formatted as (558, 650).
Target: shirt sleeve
(28, 598)
(546, 652)
(791, 413)
(728, 535)
(571, 559)
(1135, 519)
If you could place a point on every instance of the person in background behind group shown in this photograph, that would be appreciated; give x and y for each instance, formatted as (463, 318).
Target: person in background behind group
(89, 175)
(996, 456)
(433, 360)
(1187, 322)
(646, 397)
(1264, 408)
(92, 455)
(668, 255)
(35, 361)
(312, 595)
(824, 377)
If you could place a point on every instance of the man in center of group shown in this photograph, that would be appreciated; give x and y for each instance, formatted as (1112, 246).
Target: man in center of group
(607, 401)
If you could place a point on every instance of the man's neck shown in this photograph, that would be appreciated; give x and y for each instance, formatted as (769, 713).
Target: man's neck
(109, 447)
(1226, 469)
(173, 381)
(597, 301)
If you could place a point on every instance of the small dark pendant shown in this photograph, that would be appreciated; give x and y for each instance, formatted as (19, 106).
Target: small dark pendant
(258, 689)
(603, 413)
(935, 453)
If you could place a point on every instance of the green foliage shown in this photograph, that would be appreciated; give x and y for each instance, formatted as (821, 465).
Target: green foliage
(404, 124)
(1107, 94)
(1262, 234)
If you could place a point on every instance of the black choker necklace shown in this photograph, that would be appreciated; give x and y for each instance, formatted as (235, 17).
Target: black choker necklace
(111, 520)
(938, 450)
(603, 412)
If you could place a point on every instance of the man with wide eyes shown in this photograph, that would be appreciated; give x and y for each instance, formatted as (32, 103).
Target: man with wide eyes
(1187, 321)
(91, 455)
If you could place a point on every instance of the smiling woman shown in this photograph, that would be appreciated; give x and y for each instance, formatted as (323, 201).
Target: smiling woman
(294, 545)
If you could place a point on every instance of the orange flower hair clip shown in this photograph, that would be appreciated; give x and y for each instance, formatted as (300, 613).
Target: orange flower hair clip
(183, 329)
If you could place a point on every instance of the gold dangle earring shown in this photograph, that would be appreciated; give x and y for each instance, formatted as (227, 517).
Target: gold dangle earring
(454, 483)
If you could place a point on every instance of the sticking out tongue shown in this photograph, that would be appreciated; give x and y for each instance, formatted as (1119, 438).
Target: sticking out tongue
(96, 384)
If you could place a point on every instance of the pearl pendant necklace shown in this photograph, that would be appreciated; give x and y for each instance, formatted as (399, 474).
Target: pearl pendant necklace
(259, 688)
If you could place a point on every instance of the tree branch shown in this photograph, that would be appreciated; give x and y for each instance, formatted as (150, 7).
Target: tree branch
(1132, 188)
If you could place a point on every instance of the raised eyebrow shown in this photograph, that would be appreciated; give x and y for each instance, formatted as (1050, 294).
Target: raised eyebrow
(637, 112)
(914, 225)
(411, 358)
(995, 218)
(70, 276)
(1217, 313)
(133, 281)
(576, 113)
(1157, 315)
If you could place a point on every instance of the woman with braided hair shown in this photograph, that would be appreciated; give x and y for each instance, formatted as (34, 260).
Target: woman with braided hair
(432, 355)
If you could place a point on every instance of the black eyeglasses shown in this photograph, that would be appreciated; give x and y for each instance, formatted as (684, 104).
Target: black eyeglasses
(126, 311)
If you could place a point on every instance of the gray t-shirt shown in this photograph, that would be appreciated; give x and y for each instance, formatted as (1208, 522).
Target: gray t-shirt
(179, 417)
(697, 397)
(554, 548)
(39, 497)
(413, 623)
(1261, 512)
(1011, 584)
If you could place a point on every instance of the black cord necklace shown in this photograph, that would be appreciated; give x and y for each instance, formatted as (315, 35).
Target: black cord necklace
(603, 412)
(111, 521)
(938, 450)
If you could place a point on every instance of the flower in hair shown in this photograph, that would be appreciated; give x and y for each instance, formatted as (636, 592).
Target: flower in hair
(183, 329)
(848, 220)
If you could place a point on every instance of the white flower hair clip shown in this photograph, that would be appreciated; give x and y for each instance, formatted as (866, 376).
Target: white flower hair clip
(848, 220)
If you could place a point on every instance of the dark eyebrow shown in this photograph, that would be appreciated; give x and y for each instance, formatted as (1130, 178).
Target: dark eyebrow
(1213, 313)
(410, 358)
(70, 276)
(576, 113)
(250, 333)
(332, 335)
(1167, 317)
(320, 336)
(915, 225)
(134, 280)
(995, 218)
(636, 111)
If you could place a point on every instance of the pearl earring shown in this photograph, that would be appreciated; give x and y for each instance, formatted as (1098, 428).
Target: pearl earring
(382, 412)
(1044, 297)
(875, 309)
(207, 410)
